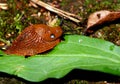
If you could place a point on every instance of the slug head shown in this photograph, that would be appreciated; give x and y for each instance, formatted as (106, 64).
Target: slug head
(48, 33)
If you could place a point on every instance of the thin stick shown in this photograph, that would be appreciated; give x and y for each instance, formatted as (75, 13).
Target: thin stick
(4, 6)
(71, 16)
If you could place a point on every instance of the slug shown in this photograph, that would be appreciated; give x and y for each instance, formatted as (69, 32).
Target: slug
(35, 39)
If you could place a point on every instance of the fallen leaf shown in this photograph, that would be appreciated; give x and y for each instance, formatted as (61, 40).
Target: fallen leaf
(100, 17)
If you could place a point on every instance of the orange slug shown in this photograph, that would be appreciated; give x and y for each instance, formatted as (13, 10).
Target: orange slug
(35, 39)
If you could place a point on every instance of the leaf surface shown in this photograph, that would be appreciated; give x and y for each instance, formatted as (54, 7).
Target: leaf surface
(76, 52)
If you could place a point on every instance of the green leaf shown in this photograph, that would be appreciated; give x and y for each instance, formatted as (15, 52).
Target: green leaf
(76, 51)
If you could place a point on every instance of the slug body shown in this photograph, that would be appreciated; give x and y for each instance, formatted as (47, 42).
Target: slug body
(35, 39)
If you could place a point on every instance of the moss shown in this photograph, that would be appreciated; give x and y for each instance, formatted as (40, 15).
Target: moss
(110, 33)
(16, 18)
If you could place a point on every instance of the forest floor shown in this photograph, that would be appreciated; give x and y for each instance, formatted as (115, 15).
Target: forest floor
(22, 13)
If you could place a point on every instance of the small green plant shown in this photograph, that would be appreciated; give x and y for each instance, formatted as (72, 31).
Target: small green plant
(17, 22)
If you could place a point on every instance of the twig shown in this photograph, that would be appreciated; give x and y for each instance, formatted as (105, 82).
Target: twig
(71, 16)
(3, 6)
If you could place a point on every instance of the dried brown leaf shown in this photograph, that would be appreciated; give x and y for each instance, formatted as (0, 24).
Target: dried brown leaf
(100, 17)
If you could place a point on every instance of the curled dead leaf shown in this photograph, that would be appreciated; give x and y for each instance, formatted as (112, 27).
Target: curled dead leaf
(100, 17)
